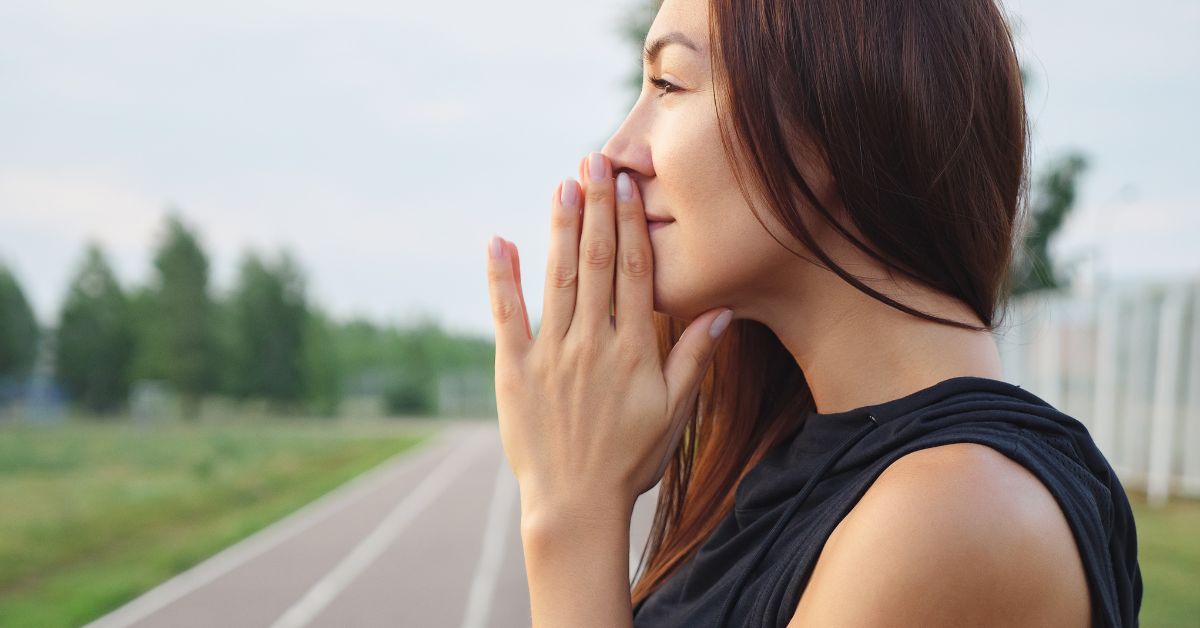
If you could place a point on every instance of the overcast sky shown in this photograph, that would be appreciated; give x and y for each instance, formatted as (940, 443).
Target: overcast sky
(382, 142)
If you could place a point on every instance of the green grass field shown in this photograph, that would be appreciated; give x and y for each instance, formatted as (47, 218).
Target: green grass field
(1169, 554)
(94, 514)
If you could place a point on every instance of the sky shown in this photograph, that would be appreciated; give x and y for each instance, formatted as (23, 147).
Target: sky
(382, 143)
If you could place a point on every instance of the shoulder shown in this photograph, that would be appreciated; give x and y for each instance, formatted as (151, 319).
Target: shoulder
(952, 535)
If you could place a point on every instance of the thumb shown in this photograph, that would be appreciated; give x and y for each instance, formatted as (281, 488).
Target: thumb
(691, 356)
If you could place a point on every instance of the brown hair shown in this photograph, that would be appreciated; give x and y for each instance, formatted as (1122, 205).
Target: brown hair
(917, 109)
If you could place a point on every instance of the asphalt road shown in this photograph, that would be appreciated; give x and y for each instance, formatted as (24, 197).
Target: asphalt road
(428, 539)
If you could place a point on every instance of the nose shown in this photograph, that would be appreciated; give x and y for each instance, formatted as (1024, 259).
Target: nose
(629, 150)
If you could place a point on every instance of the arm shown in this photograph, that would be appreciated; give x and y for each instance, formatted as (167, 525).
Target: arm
(577, 562)
(955, 535)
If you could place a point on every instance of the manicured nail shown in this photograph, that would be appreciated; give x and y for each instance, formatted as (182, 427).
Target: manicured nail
(569, 194)
(624, 187)
(720, 323)
(598, 168)
(496, 247)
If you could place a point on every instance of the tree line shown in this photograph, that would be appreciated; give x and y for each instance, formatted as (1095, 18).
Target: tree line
(264, 339)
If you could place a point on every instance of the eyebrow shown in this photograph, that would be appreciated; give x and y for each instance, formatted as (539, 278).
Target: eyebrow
(650, 54)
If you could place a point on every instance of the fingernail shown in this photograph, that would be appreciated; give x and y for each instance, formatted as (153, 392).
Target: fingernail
(598, 169)
(569, 193)
(496, 247)
(624, 188)
(720, 323)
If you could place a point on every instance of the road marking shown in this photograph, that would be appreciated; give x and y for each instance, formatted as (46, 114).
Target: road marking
(258, 543)
(495, 537)
(370, 548)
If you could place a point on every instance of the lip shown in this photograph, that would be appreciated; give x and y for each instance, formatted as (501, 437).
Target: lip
(655, 225)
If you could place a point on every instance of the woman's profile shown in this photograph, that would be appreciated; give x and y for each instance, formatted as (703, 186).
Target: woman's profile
(773, 293)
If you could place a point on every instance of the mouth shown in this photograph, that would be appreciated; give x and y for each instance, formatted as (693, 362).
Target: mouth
(655, 225)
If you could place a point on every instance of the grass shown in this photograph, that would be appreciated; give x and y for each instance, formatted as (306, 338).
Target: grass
(93, 514)
(1169, 555)
(96, 513)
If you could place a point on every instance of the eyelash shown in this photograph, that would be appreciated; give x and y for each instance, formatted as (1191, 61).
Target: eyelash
(666, 86)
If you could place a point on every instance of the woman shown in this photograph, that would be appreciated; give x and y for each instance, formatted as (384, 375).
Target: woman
(844, 452)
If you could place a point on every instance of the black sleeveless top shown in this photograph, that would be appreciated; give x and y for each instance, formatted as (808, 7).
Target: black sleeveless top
(753, 568)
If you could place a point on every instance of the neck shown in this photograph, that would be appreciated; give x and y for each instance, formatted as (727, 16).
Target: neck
(855, 350)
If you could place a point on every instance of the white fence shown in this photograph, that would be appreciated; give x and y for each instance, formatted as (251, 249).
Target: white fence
(1125, 361)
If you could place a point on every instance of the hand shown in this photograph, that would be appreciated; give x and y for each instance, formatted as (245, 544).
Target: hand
(587, 410)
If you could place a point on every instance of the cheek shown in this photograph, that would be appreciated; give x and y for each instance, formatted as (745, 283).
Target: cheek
(689, 160)
(716, 252)
(717, 258)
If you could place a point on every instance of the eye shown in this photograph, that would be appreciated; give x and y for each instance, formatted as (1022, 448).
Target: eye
(667, 87)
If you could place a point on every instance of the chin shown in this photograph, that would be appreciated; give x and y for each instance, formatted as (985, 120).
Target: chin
(671, 300)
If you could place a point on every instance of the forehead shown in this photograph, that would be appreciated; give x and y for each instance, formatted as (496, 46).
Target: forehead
(687, 16)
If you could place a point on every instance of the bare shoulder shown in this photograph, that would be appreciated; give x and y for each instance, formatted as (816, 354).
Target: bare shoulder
(953, 535)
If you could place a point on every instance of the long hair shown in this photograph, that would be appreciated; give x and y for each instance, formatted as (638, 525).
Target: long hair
(917, 109)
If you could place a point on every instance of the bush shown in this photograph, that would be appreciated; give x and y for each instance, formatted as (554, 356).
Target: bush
(409, 395)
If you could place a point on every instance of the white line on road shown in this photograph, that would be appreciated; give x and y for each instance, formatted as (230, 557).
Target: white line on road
(495, 537)
(333, 583)
(256, 544)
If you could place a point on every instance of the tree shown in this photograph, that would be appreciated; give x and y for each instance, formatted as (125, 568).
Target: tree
(176, 315)
(18, 330)
(269, 317)
(1033, 268)
(413, 387)
(322, 369)
(95, 341)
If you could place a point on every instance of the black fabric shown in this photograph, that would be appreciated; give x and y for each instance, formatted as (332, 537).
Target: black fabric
(758, 560)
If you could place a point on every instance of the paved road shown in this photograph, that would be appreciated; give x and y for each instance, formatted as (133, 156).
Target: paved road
(428, 539)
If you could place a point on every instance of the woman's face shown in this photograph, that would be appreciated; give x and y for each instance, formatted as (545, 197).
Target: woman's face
(715, 252)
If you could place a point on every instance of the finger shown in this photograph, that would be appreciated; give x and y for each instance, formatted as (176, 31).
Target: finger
(692, 355)
(562, 267)
(634, 295)
(597, 248)
(516, 266)
(506, 300)
(674, 436)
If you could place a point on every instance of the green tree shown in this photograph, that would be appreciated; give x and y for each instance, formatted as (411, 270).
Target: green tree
(95, 341)
(269, 318)
(419, 354)
(18, 330)
(1033, 268)
(405, 365)
(322, 369)
(176, 315)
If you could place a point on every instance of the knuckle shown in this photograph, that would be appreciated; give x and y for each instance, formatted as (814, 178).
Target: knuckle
(563, 276)
(636, 263)
(700, 358)
(629, 213)
(505, 310)
(598, 253)
(598, 191)
(583, 351)
(564, 219)
(498, 273)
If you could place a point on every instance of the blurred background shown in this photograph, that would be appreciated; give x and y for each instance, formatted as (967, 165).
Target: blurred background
(246, 353)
